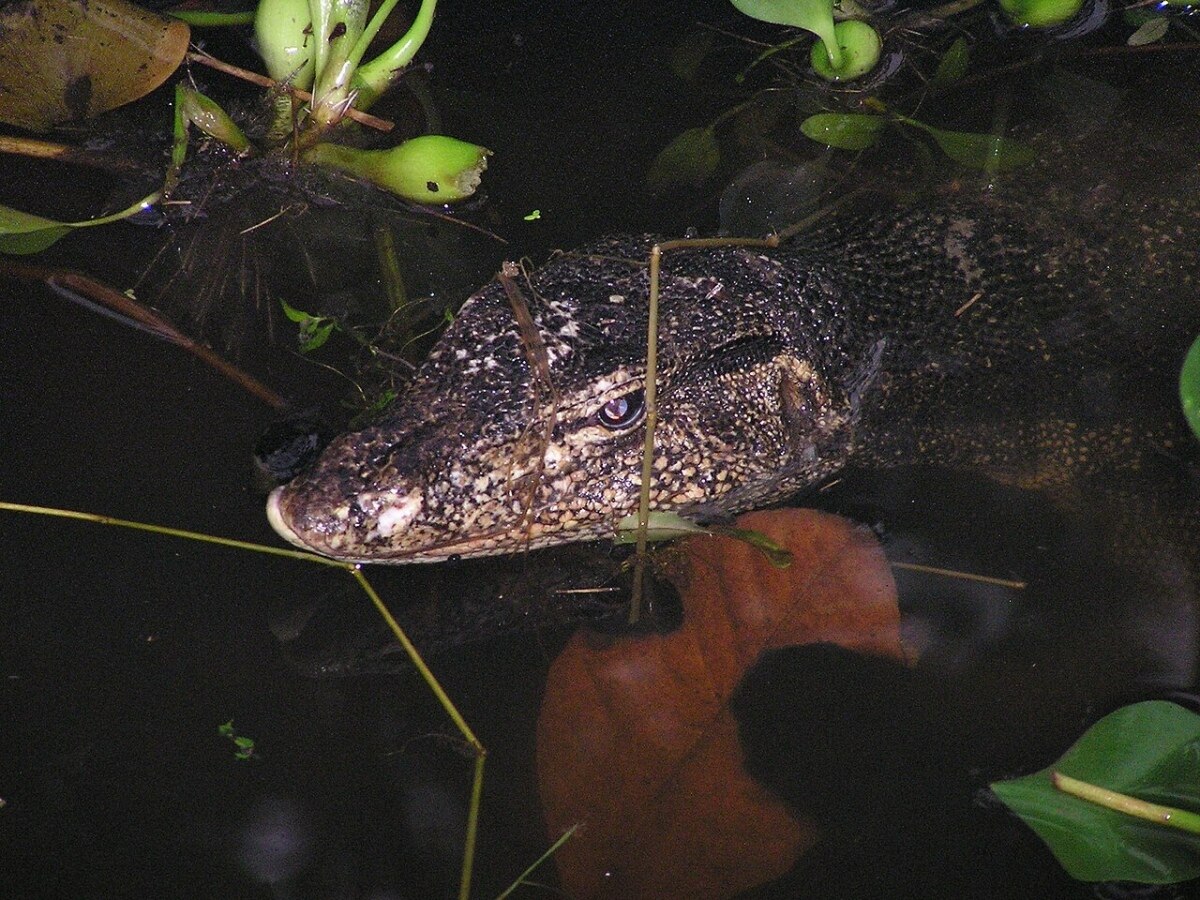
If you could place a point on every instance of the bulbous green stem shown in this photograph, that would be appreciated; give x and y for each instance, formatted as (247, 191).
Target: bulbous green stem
(432, 168)
(283, 29)
(376, 76)
(337, 26)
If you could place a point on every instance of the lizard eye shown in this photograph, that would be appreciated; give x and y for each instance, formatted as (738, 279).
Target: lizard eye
(623, 412)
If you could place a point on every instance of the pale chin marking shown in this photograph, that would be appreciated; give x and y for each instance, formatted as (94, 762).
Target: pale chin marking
(275, 517)
(399, 515)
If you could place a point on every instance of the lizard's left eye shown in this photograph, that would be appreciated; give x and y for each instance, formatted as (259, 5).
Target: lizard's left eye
(623, 412)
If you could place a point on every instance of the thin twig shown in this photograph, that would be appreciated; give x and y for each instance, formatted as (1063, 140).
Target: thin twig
(263, 81)
(964, 576)
(36, 148)
(88, 291)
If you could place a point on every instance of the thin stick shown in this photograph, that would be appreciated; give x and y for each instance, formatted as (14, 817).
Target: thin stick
(100, 297)
(263, 81)
(650, 393)
(40, 149)
(356, 571)
(965, 576)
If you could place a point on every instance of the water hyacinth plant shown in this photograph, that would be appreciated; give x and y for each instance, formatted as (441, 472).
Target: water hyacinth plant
(318, 46)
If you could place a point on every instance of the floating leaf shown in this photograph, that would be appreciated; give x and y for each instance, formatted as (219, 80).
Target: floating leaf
(1189, 387)
(636, 739)
(1147, 750)
(23, 233)
(314, 331)
(989, 152)
(688, 160)
(815, 16)
(1149, 32)
(845, 131)
(662, 526)
(689, 54)
(953, 64)
(65, 60)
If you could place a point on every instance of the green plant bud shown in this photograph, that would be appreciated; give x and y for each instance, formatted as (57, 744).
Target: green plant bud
(204, 112)
(860, 46)
(432, 168)
(1040, 13)
(284, 32)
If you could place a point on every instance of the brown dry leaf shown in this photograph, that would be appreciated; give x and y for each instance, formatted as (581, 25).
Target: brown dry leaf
(64, 60)
(636, 741)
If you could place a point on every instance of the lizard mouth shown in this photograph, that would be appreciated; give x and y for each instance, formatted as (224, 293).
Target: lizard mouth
(279, 522)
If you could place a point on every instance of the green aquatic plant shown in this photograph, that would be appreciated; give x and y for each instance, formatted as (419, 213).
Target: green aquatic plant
(431, 168)
(22, 232)
(1110, 807)
(243, 746)
(858, 131)
(1040, 13)
(843, 51)
(858, 47)
(1189, 387)
(322, 43)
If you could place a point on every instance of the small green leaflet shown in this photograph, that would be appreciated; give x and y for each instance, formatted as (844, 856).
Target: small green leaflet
(1147, 751)
(845, 131)
(662, 526)
(24, 233)
(953, 64)
(1189, 387)
(815, 16)
(1149, 31)
(991, 153)
(688, 160)
(243, 746)
(314, 330)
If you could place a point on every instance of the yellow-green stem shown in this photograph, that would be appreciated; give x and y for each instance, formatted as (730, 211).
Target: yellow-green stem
(650, 394)
(1130, 806)
(409, 648)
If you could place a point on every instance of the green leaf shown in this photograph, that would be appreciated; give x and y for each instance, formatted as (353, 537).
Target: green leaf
(688, 55)
(688, 160)
(662, 526)
(845, 131)
(1189, 387)
(24, 233)
(315, 334)
(811, 15)
(298, 316)
(953, 64)
(776, 555)
(1147, 750)
(66, 60)
(989, 152)
(1148, 32)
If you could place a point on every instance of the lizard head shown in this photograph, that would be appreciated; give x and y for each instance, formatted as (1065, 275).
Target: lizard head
(526, 425)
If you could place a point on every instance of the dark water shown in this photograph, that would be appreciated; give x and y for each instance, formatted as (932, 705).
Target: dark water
(123, 652)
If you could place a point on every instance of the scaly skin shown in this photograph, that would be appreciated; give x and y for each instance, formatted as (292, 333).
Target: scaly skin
(953, 332)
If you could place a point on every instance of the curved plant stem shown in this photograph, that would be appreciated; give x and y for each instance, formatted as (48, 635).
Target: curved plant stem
(263, 81)
(480, 752)
(373, 78)
(650, 392)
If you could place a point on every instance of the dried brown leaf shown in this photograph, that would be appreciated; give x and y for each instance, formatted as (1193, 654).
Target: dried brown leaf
(636, 740)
